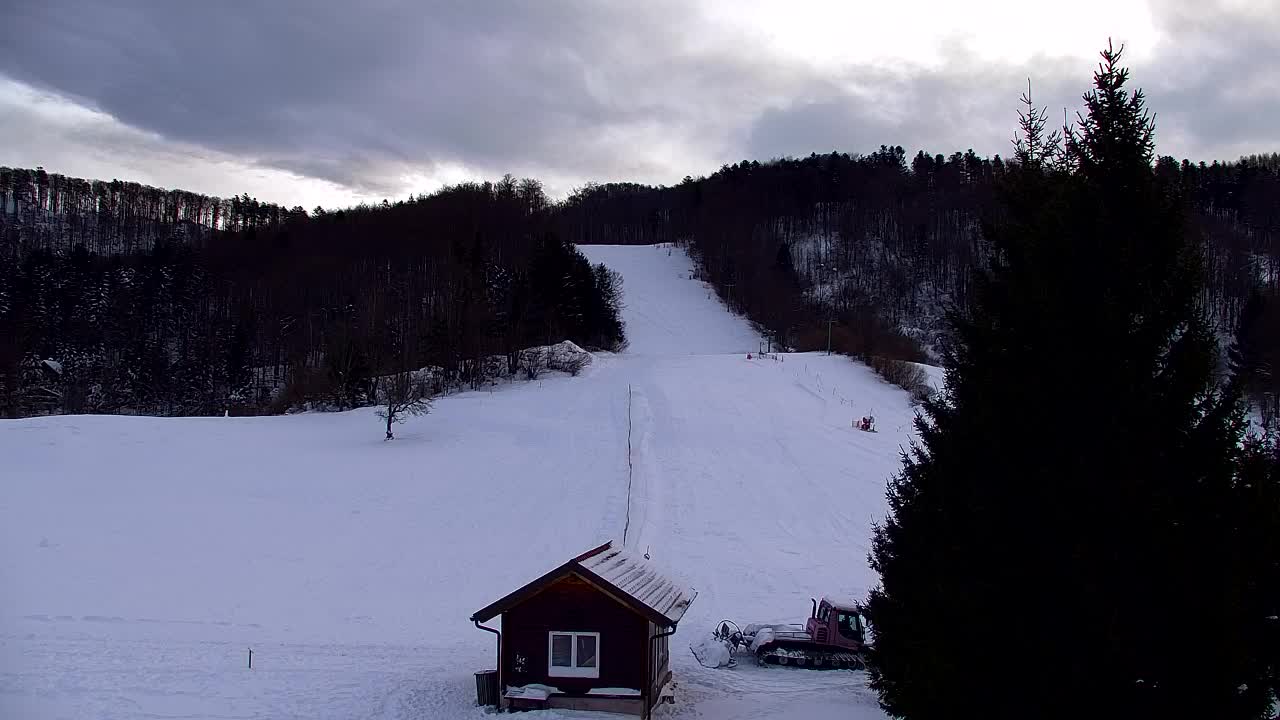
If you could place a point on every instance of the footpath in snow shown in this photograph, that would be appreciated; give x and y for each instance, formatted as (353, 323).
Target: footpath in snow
(140, 558)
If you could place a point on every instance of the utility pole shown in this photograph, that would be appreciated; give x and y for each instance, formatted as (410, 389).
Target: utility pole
(829, 323)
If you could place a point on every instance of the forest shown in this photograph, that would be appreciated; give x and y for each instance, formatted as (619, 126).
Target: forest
(867, 254)
(117, 297)
(122, 298)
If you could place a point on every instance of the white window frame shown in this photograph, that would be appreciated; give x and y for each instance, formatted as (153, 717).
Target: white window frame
(574, 671)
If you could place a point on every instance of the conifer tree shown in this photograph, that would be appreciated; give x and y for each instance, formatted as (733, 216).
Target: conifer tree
(1067, 539)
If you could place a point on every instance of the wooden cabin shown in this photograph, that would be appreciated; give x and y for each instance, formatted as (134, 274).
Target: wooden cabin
(589, 635)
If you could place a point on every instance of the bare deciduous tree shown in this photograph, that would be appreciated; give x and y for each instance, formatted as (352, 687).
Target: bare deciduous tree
(406, 394)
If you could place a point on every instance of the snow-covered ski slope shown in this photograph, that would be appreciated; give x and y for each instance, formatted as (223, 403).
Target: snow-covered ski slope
(667, 312)
(140, 558)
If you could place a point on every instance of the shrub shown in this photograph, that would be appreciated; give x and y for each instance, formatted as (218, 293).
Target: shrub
(534, 362)
(906, 375)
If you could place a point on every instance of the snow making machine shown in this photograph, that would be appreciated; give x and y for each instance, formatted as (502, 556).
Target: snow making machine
(832, 638)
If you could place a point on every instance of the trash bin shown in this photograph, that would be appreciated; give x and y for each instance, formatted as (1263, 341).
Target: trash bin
(487, 688)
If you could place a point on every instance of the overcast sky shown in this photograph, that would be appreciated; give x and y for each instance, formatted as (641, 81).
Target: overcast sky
(319, 102)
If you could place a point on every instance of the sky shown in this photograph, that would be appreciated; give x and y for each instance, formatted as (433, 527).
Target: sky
(319, 102)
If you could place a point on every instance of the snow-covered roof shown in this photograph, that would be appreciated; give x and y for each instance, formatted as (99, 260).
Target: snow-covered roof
(639, 578)
(632, 579)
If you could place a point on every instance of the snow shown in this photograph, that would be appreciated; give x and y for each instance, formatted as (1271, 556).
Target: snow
(712, 652)
(762, 636)
(667, 312)
(532, 691)
(614, 691)
(937, 377)
(141, 558)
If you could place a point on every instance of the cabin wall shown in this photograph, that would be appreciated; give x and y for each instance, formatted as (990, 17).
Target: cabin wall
(659, 662)
(573, 605)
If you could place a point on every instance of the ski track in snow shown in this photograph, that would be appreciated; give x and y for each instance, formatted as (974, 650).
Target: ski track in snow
(140, 558)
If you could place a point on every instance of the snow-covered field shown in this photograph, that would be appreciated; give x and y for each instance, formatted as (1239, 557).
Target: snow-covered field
(141, 558)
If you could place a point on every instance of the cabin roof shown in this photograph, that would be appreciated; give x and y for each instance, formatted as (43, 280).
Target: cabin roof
(636, 582)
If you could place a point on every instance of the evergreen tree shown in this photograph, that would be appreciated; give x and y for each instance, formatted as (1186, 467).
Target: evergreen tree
(1067, 539)
(1256, 514)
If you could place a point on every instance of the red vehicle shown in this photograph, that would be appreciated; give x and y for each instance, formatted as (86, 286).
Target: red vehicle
(832, 638)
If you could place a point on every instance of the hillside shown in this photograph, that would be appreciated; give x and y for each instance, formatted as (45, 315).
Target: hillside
(885, 244)
(284, 312)
(200, 302)
(140, 558)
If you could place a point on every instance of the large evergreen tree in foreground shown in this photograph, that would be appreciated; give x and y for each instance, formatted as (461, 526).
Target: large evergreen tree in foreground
(1078, 532)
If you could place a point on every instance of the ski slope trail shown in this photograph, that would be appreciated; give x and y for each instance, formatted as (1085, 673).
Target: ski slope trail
(140, 558)
(668, 312)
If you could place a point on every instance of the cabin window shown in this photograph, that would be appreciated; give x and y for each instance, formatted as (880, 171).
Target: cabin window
(573, 654)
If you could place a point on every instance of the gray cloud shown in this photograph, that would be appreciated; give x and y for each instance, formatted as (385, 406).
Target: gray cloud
(363, 95)
(46, 130)
(962, 106)
(1212, 86)
(1216, 89)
